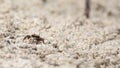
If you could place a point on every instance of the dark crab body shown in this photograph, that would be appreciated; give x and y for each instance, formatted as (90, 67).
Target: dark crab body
(35, 37)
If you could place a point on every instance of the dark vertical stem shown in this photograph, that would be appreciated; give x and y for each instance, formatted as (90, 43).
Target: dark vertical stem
(87, 8)
(44, 1)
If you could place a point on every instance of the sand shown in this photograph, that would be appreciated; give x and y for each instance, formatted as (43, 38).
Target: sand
(71, 40)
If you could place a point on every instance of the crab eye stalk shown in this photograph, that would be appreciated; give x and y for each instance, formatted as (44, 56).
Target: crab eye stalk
(87, 8)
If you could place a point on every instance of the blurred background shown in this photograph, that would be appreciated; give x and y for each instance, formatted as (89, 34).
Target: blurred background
(99, 8)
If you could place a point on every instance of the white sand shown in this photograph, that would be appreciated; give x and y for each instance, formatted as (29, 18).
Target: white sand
(71, 41)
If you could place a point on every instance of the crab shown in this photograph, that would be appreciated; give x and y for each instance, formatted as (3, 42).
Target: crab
(35, 38)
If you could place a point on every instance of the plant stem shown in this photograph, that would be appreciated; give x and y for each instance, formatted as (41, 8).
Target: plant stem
(87, 8)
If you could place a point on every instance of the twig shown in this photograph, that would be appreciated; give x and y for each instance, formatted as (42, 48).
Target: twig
(87, 8)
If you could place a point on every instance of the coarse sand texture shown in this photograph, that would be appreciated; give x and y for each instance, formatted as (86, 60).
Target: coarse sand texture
(56, 34)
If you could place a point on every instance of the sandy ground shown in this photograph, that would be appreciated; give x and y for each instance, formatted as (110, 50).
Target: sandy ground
(71, 40)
